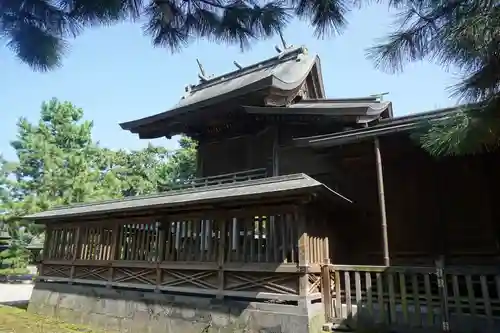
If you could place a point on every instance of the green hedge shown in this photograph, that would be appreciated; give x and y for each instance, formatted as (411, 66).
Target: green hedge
(13, 271)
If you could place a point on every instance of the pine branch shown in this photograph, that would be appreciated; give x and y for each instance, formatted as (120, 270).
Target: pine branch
(463, 34)
(473, 130)
(38, 30)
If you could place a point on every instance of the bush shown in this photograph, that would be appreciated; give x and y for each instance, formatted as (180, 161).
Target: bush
(13, 271)
(14, 261)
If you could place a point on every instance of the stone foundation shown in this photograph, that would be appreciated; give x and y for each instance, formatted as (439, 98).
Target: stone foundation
(146, 311)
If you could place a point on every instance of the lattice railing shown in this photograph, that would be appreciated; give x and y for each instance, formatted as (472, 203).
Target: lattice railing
(218, 179)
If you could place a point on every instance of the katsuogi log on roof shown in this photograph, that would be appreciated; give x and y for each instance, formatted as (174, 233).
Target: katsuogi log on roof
(274, 81)
(227, 196)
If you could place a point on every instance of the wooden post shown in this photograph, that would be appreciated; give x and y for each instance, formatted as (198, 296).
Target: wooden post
(161, 251)
(326, 281)
(114, 250)
(199, 160)
(115, 247)
(300, 219)
(443, 295)
(46, 249)
(47, 246)
(220, 255)
(276, 152)
(276, 168)
(326, 290)
(75, 254)
(381, 199)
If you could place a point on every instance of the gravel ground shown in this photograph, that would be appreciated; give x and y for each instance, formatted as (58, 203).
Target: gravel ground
(15, 293)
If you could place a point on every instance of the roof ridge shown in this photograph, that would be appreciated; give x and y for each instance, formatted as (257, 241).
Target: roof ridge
(282, 57)
(340, 100)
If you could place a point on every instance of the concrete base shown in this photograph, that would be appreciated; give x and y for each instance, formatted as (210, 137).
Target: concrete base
(145, 311)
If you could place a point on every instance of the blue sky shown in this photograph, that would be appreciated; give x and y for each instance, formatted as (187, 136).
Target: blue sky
(115, 75)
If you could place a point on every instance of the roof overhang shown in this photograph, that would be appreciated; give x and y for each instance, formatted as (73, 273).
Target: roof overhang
(360, 110)
(385, 127)
(284, 72)
(280, 186)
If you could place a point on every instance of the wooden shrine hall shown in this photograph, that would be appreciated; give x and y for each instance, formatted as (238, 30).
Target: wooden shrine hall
(306, 213)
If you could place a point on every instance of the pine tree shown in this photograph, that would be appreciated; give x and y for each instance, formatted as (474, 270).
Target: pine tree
(57, 159)
(59, 164)
(37, 31)
(14, 258)
(463, 34)
(181, 165)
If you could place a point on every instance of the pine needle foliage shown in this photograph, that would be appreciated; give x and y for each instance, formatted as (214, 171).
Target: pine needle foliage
(38, 31)
(459, 34)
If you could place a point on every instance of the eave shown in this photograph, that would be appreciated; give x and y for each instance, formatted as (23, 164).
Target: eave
(384, 127)
(234, 193)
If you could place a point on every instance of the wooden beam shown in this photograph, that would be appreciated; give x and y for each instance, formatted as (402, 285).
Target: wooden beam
(220, 256)
(276, 163)
(381, 199)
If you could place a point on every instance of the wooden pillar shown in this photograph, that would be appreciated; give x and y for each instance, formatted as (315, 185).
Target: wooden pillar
(381, 199)
(440, 235)
(326, 280)
(326, 290)
(276, 164)
(161, 251)
(115, 248)
(114, 242)
(276, 170)
(77, 242)
(75, 254)
(220, 256)
(199, 160)
(46, 248)
(300, 220)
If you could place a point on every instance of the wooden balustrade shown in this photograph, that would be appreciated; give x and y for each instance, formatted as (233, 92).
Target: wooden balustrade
(219, 179)
(266, 239)
(318, 249)
(247, 255)
(411, 296)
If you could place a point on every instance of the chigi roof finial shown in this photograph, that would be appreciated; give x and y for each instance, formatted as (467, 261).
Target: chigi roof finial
(380, 96)
(284, 45)
(283, 42)
(201, 75)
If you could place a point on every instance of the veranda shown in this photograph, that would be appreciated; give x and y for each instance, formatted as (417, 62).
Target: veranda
(260, 240)
(255, 240)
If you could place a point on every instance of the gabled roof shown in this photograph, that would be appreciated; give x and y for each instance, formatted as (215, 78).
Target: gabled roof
(261, 188)
(385, 127)
(286, 71)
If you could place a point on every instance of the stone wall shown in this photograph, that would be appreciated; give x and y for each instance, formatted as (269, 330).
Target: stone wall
(145, 311)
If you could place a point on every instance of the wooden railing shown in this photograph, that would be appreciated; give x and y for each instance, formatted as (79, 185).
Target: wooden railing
(455, 298)
(259, 239)
(219, 179)
(250, 253)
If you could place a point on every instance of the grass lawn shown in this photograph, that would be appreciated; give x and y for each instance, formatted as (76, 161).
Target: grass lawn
(14, 320)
